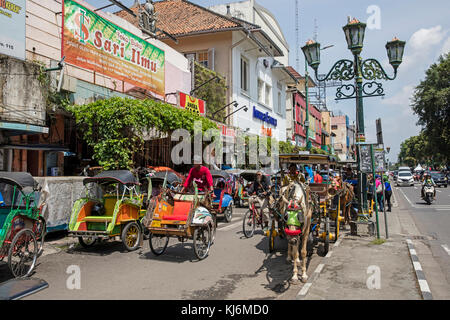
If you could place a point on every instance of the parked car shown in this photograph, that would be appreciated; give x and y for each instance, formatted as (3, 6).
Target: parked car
(439, 178)
(405, 178)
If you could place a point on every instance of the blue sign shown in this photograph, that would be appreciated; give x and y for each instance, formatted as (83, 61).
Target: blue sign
(264, 117)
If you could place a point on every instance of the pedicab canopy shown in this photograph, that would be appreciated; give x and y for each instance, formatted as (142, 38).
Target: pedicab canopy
(19, 179)
(171, 177)
(220, 173)
(115, 176)
(307, 159)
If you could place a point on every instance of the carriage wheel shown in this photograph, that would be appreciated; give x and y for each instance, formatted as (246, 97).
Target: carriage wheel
(40, 231)
(202, 241)
(326, 245)
(228, 214)
(22, 253)
(158, 243)
(272, 237)
(249, 224)
(131, 235)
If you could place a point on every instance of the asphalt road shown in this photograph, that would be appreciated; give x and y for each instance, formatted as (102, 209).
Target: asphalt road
(433, 224)
(237, 268)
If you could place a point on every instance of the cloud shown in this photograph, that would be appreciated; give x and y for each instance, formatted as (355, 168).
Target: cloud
(402, 99)
(421, 44)
(446, 46)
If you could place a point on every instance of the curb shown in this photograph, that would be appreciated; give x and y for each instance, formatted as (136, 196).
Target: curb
(423, 284)
(304, 290)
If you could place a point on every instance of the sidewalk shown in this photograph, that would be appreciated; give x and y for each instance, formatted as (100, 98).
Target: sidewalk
(354, 264)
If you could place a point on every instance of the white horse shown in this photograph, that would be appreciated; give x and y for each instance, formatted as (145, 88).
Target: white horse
(295, 198)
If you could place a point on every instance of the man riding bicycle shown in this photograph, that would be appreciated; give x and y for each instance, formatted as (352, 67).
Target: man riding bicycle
(259, 193)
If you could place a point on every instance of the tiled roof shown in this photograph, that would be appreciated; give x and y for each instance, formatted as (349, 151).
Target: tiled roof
(294, 72)
(181, 17)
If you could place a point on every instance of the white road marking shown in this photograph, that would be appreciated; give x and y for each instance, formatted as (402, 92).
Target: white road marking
(231, 226)
(417, 265)
(329, 254)
(446, 249)
(413, 251)
(438, 190)
(319, 268)
(407, 198)
(305, 289)
(424, 286)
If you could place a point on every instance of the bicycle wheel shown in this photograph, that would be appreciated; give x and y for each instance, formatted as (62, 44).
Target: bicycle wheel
(249, 224)
(158, 243)
(202, 241)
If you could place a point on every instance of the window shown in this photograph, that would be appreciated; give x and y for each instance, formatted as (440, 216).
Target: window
(268, 96)
(334, 127)
(244, 74)
(260, 91)
(279, 108)
(202, 58)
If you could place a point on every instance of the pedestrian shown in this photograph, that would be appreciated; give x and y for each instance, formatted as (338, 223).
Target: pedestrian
(387, 192)
(379, 192)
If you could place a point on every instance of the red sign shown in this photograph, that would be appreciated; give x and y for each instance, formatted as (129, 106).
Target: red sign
(191, 103)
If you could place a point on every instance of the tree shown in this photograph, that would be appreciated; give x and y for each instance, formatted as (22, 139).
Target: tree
(115, 127)
(431, 103)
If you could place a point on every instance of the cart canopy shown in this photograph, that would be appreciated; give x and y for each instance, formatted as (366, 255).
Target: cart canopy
(113, 176)
(307, 159)
(220, 174)
(19, 179)
(171, 177)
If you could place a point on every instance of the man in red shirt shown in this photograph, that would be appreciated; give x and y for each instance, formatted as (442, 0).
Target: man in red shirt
(201, 175)
(318, 178)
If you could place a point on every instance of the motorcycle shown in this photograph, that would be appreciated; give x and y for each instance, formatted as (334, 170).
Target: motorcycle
(428, 191)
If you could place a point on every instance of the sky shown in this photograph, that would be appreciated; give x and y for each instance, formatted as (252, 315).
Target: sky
(424, 25)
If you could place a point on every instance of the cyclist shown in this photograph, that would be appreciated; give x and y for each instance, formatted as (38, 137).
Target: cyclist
(259, 193)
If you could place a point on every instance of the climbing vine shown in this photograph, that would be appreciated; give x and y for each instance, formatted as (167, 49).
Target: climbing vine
(115, 127)
(214, 92)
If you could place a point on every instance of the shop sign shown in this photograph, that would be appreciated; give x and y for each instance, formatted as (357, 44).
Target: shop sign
(264, 117)
(12, 24)
(267, 132)
(94, 43)
(190, 103)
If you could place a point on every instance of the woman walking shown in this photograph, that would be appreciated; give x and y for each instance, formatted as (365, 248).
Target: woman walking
(387, 192)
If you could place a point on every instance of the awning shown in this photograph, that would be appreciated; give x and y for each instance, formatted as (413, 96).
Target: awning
(37, 147)
(16, 129)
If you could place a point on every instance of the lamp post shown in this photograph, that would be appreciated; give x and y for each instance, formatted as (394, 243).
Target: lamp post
(357, 70)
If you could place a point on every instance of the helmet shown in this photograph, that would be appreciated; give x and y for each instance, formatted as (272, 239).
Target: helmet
(98, 210)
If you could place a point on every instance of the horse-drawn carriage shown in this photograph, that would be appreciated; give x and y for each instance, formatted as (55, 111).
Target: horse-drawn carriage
(111, 207)
(183, 216)
(325, 199)
(22, 226)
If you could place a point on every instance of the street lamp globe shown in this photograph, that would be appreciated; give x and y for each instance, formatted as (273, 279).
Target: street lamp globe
(354, 34)
(312, 53)
(395, 50)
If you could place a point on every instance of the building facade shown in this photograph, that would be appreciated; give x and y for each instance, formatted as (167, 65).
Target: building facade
(43, 141)
(344, 137)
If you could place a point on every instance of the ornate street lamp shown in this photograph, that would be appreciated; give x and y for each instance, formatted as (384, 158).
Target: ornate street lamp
(354, 34)
(357, 70)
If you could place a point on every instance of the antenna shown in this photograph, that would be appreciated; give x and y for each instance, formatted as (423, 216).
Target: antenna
(297, 36)
(315, 29)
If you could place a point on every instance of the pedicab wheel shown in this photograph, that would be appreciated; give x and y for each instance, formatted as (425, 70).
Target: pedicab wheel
(249, 224)
(158, 243)
(131, 235)
(202, 241)
(272, 237)
(22, 253)
(228, 214)
(40, 232)
(87, 242)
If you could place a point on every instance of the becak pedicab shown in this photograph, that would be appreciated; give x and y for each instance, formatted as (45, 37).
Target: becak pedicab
(111, 207)
(22, 226)
(182, 216)
(222, 204)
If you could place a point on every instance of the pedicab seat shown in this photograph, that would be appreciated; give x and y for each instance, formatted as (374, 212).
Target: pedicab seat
(180, 211)
(217, 193)
(98, 218)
